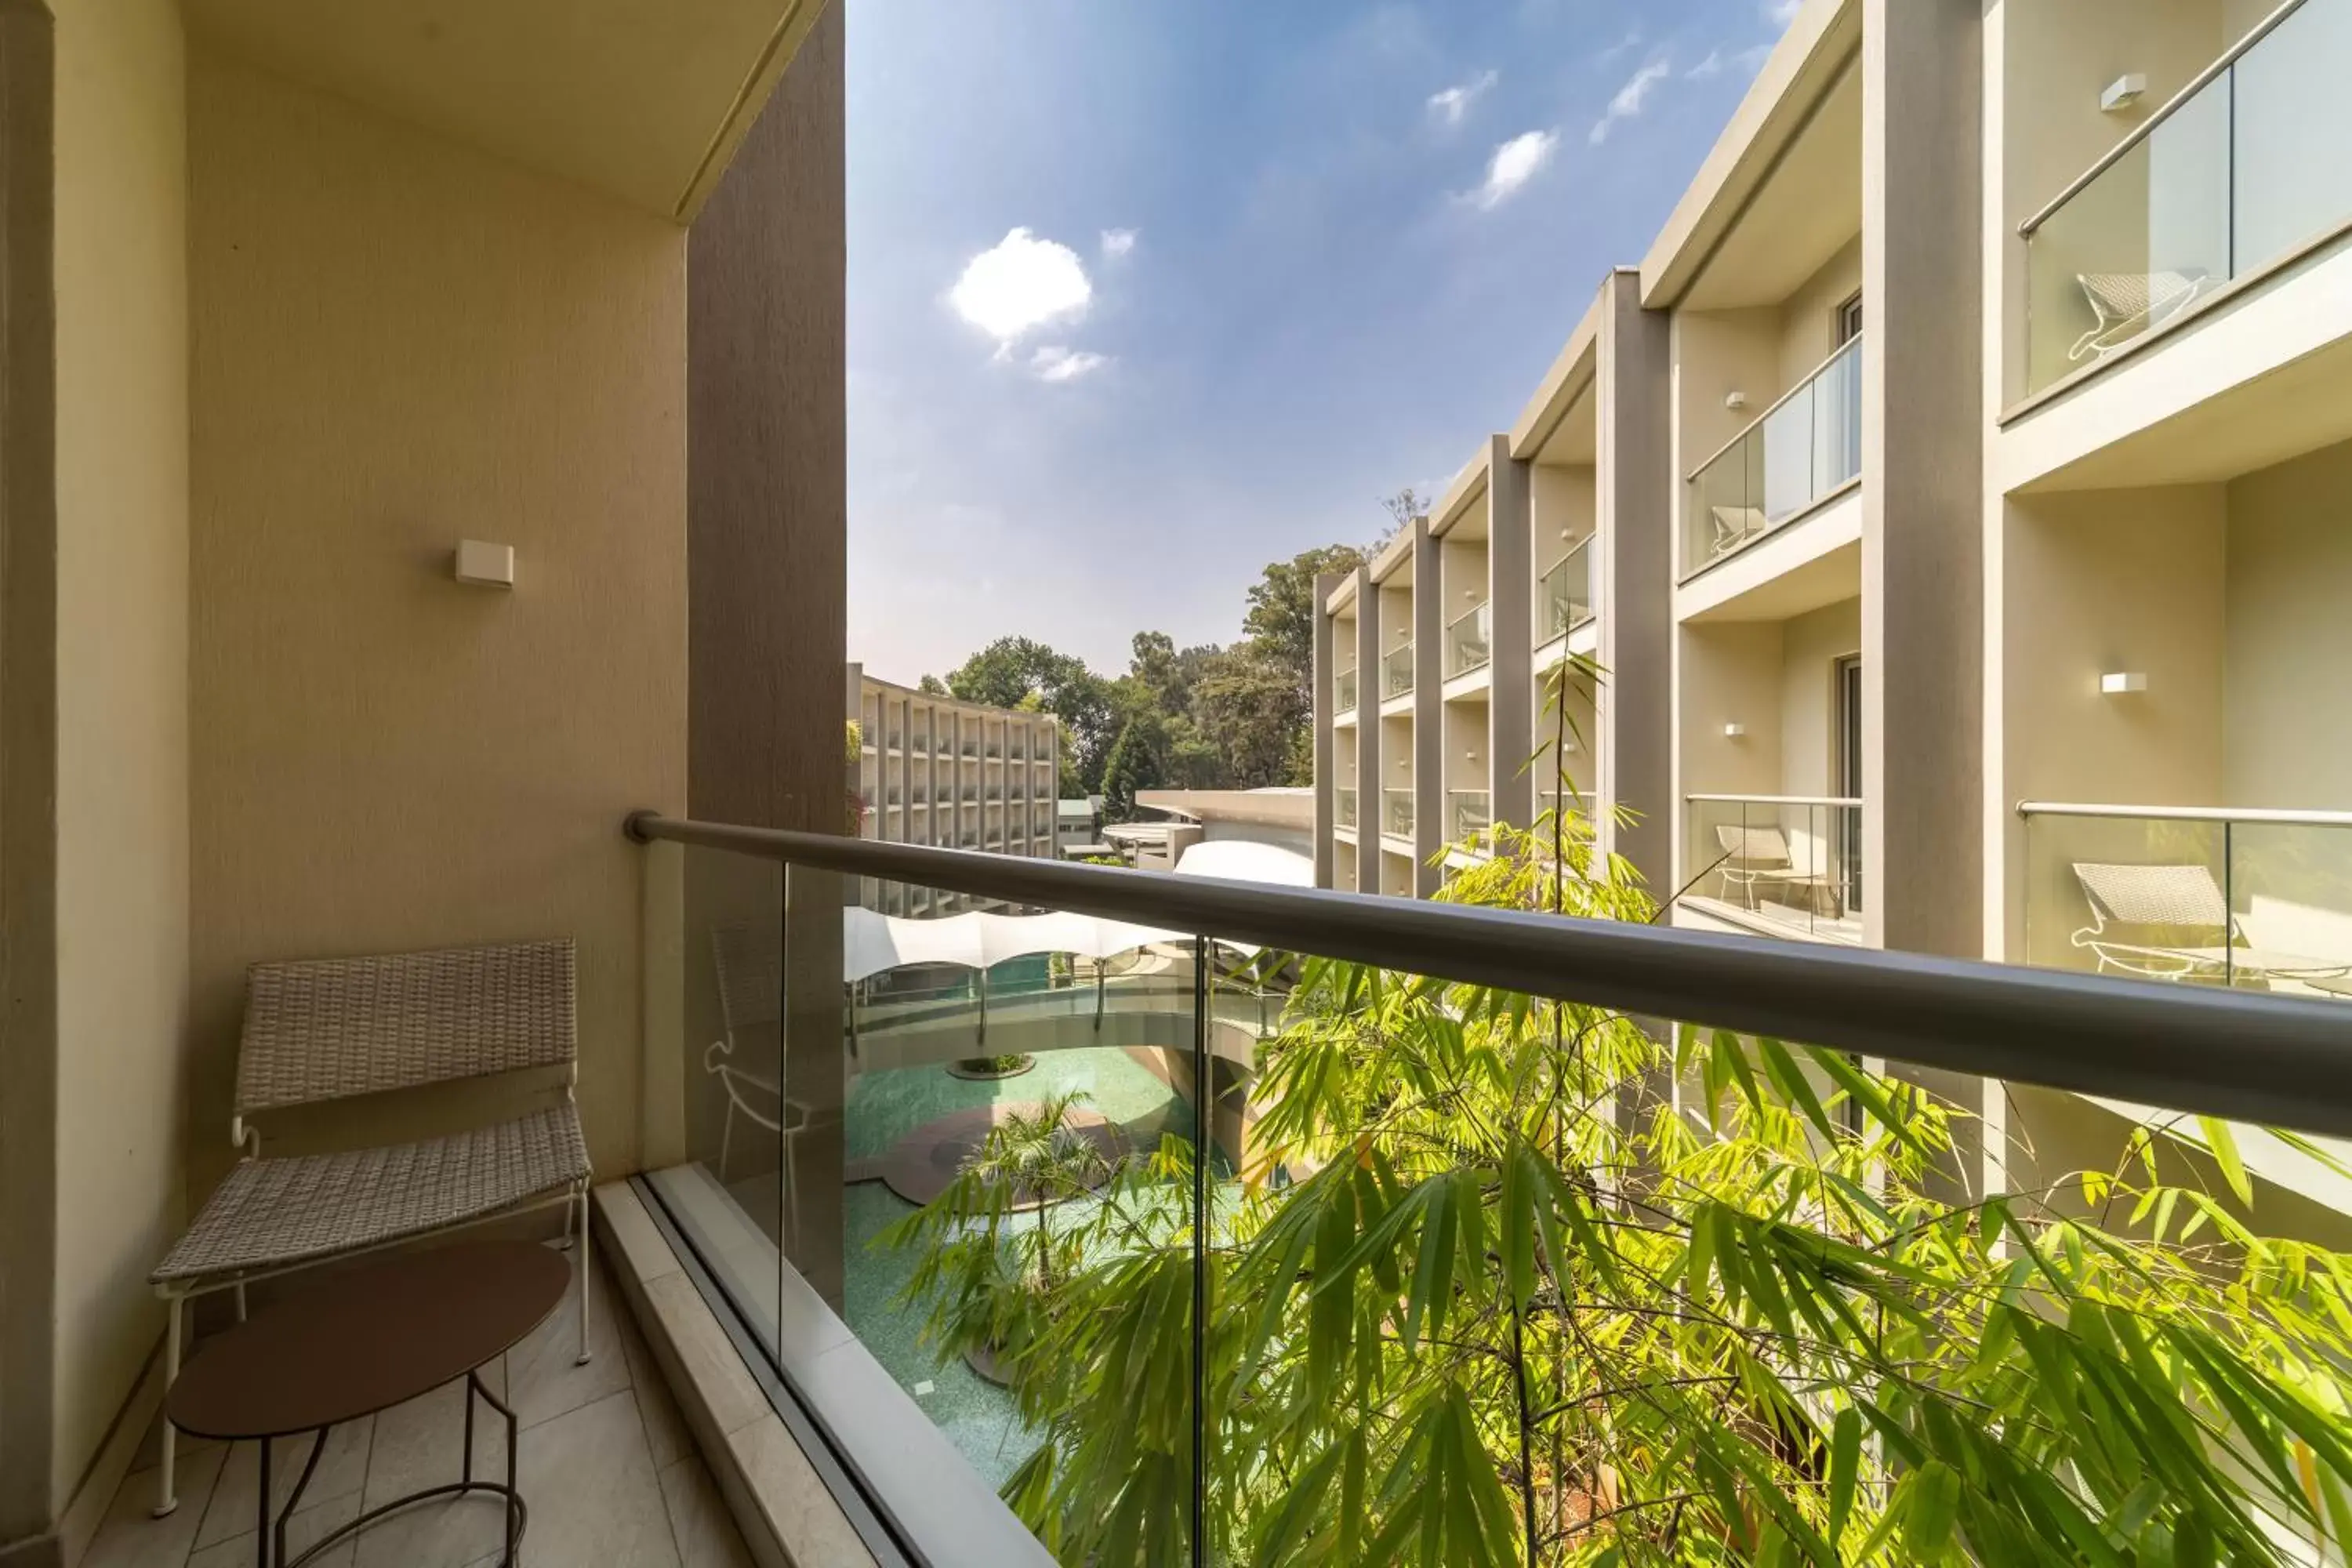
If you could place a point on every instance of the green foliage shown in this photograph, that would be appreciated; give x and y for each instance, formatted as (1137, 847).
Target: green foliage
(1548, 1289)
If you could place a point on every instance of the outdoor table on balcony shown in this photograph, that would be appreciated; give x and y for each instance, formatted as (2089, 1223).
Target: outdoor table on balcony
(363, 1342)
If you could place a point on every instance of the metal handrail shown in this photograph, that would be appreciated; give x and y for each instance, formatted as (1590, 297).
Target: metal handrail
(2146, 128)
(2260, 1057)
(1846, 800)
(1779, 403)
(2187, 814)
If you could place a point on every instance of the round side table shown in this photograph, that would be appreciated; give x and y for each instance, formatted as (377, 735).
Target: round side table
(365, 1341)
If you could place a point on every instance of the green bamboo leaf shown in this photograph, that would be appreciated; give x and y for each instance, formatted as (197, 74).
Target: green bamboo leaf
(2224, 1144)
(1783, 1071)
(1516, 1221)
(1433, 1273)
(1929, 1498)
(1845, 1464)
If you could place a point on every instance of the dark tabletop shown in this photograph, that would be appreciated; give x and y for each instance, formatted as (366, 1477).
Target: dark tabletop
(365, 1340)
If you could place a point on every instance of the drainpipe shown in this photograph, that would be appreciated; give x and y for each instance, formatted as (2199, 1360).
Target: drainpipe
(1098, 995)
(981, 1036)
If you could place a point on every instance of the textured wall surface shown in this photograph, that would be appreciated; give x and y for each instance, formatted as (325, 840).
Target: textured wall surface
(399, 343)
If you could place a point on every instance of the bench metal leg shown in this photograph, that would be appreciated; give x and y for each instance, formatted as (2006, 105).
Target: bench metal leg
(585, 1279)
(166, 1499)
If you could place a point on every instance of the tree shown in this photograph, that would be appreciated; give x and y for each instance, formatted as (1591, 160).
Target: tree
(1137, 761)
(932, 686)
(1404, 509)
(1527, 1308)
(1248, 701)
(1011, 668)
(1282, 607)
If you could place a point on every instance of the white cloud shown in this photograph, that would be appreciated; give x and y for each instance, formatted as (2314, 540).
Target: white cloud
(1056, 364)
(1630, 98)
(1023, 283)
(1118, 242)
(1449, 105)
(1514, 162)
(1780, 13)
(1711, 66)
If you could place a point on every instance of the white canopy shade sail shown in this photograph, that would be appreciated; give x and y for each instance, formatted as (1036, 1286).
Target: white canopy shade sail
(871, 943)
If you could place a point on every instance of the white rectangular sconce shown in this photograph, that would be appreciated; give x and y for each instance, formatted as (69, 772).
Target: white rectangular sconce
(1735, 731)
(2123, 92)
(2115, 683)
(485, 565)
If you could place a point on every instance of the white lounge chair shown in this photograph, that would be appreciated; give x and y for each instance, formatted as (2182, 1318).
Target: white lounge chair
(2126, 304)
(1735, 525)
(2171, 922)
(748, 961)
(1756, 860)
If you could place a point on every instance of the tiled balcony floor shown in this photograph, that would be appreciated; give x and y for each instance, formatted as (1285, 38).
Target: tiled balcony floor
(606, 1465)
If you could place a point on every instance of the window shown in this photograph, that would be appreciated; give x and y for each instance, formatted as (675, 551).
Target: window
(1849, 322)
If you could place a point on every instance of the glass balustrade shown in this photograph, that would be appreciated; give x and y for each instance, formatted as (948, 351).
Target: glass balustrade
(1343, 691)
(1470, 640)
(1468, 812)
(1343, 806)
(2241, 173)
(1800, 451)
(2261, 900)
(1396, 812)
(1777, 865)
(1565, 595)
(1396, 672)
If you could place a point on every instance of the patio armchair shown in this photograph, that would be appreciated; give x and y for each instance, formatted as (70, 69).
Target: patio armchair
(2124, 304)
(1735, 525)
(2171, 922)
(1756, 860)
(331, 1030)
(748, 963)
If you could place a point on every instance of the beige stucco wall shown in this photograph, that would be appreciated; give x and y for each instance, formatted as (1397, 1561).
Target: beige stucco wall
(1809, 317)
(400, 343)
(1811, 645)
(122, 734)
(1564, 504)
(2290, 555)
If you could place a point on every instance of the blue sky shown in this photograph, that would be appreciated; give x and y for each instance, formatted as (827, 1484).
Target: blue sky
(1266, 274)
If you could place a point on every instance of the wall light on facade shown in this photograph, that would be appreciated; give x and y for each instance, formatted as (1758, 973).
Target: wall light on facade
(2115, 683)
(485, 565)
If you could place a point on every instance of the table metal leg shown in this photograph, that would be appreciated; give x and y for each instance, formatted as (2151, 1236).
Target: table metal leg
(517, 1512)
(294, 1499)
(261, 1508)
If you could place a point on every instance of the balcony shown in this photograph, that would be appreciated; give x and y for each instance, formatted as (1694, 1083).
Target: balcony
(1787, 865)
(2256, 900)
(1343, 692)
(1468, 813)
(1396, 812)
(1470, 640)
(1800, 451)
(2219, 183)
(1396, 672)
(1343, 806)
(1063, 1248)
(1564, 597)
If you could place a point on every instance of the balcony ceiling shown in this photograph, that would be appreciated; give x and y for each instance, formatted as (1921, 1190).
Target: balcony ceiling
(1807, 209)
(643, 98)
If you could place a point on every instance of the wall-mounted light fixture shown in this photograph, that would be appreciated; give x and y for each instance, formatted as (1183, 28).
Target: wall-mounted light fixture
(2121, 94)
(1736, 401)
(1735, 731)
(2117, 682)
(485, 565)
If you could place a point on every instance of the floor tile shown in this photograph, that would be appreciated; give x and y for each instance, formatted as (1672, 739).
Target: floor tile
(418, 1445)
(543, 1370)
(594, 1496)
(342, 1470)
(706, 1532)
(708, 1357)
(786, 1487)
(666, 1430)
(304, 1529)
(131, 1538)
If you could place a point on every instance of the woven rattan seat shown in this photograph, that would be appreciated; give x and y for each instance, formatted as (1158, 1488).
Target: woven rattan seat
(273, 1213)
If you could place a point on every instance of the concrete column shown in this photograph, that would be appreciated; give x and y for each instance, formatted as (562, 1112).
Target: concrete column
(1511, 588)
(1326, 848)
(1922, 486)
(1367, 733)
(1429, 825)
(1633, 577)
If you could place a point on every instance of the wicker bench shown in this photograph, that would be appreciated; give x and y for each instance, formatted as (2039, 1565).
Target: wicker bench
(331, 1029)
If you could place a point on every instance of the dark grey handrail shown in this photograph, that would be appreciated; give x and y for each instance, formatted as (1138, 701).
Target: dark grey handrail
(2270, 1059)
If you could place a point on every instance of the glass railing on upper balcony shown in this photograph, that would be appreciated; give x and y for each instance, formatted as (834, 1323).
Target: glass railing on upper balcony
(1413, 1240)
(1776, 865)
(1564, 597)
(1802, 449)
(1470, 640)
(1343, 806)
(1396, 812)
(1396, 672)
(1468, 813)
(2199, 896)
(1343, 691)
(2240, 169)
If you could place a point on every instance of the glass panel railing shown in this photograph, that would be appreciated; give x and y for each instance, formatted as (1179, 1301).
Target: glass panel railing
(1805, 448)
(1470, 640)
(1396, 672)
(1343, 806)
(1194, 1252)
(1564, 597)
(1468, 813)
(2261, 900)
(2224, 183)
(1396, 812)
(1775, 864)
(1343, 691)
